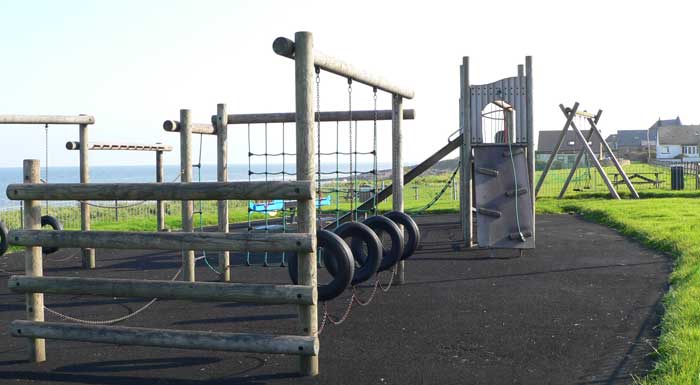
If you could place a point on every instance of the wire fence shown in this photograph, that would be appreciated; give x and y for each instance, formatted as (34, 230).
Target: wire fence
(646, 177)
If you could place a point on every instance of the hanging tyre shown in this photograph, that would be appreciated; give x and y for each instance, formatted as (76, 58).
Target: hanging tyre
(55, 224)
(334, 252)
(369, 247)
(383, 226)
(3, 238)
(410, 229)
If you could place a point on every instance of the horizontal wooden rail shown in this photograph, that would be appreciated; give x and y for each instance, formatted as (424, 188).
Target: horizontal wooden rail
(285, 47)
(47, 119)
(121, 146)
(131, 288)
(326, 116)
(181, 339)
(197, 128)
(161, 191)
(287, 117)
(255, 242)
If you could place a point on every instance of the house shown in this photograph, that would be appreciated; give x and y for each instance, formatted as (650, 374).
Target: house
(547, 141)
(653, 130)
(631, 144)
(678, 142)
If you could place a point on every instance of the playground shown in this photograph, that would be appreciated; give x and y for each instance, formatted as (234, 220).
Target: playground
(553, 316)
(321, 223)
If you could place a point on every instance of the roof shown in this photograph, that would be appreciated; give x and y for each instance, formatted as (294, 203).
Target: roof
(547, 140)
(663, 123)
(688, 134)
(667, 122)
(631, 138)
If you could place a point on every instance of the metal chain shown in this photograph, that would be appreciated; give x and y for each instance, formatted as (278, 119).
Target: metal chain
(319, 194)
(352, 190)
(354, 298)
(46, 160)
(110, 321)
(374, 150)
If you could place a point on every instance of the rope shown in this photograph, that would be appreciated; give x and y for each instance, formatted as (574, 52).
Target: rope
(110, 321)
(439, 194)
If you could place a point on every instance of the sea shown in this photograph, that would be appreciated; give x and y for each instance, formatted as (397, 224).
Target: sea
(139, 174)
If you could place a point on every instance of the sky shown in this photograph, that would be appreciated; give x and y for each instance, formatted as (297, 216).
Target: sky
(134, 64)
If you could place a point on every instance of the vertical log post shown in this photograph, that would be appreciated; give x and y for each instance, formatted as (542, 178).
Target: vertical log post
(160, 208)
(530, 137)
(88, 254)
(305, 98)
(33, 261)
(222, 176)
(187, 206)
(397, 168)
(465, 156)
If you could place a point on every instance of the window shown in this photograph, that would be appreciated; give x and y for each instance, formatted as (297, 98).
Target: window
(664, 150)
(690, 150)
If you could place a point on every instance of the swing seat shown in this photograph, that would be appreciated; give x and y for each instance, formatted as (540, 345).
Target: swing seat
(266, 207)
(324, 201)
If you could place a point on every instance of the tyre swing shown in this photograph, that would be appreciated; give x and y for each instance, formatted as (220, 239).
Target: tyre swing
(336, 253)
(3, 238)
(410, 231)
(54, 224)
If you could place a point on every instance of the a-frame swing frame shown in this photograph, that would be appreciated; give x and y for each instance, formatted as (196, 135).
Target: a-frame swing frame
(570, 114)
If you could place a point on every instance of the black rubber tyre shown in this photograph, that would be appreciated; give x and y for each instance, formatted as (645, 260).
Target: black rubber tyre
(333, 248)
(411, 232)
(55, 224)
(382, 225)
(3, 238)
(360, 235)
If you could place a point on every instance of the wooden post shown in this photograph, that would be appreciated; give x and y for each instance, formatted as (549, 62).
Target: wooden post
(530, 137)
(222, 176)
(570, 115)
(577, 161)
(160, 208)
(305, 135)
(187, 205)
(397, 169)
(465, 156)
(88, 254)
(33, 261)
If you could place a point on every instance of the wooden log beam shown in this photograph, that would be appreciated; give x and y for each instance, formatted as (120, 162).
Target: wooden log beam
(162, 191)
(181, 339)
(47, 119)
(286, 47)
(326, 116)
(197, 128)
(254, 242)
(286, 117)
(132, 288)
(75, 145)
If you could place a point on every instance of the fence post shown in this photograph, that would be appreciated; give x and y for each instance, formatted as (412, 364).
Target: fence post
(160, 209)
(222, 176)
(305, 136)
(34, 261)
(88, 254)
(187, 206)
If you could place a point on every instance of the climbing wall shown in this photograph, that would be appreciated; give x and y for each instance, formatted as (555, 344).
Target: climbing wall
(496, 197)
